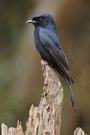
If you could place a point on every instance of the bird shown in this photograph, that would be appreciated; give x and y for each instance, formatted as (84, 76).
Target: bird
(50, 48)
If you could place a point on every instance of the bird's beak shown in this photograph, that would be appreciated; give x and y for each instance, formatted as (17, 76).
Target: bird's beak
(31, 21)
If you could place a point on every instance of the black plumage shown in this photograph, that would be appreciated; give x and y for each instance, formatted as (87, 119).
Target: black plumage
(50, 49)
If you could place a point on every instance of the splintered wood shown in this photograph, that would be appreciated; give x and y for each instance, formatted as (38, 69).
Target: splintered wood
(79, 131)
(46, 119)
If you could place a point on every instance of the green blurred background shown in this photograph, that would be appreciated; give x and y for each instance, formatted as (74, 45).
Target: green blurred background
(21, 78)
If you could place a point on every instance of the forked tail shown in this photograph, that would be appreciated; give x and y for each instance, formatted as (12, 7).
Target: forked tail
(71, 93)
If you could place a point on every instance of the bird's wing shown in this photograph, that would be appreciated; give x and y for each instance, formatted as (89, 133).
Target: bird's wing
(52, 46)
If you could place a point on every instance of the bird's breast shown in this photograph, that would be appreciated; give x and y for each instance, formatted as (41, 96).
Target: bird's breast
(39, 46)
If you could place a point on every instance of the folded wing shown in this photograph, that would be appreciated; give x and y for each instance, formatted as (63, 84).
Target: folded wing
(53, 47)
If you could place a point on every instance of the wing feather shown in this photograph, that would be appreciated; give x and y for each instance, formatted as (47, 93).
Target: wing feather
(54, 49)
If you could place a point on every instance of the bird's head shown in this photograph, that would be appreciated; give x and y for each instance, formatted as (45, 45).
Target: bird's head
(42, 20)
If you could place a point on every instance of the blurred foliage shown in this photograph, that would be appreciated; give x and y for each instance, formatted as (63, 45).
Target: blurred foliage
(13, 15)
(75, 34)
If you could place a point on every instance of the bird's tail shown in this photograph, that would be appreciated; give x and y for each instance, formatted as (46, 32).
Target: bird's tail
(71, 93)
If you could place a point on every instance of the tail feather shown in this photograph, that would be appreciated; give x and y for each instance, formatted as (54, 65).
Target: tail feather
(71, 93)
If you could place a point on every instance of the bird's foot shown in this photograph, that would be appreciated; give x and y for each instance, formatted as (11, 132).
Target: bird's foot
(43, 63)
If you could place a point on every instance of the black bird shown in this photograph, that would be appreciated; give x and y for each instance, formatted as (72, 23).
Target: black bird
(50, 49)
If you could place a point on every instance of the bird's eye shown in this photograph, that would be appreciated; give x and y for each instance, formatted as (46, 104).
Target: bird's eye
(40, 19)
